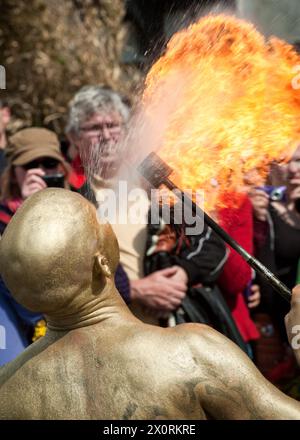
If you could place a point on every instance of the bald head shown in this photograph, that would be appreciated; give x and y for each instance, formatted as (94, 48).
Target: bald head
(54, 251)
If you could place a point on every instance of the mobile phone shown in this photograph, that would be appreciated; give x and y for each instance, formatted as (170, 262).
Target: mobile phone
(56, 180)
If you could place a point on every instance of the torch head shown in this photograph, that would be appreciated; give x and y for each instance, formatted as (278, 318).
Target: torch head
(155, 170)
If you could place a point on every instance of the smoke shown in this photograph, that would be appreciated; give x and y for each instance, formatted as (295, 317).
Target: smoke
(107, 162)
(151, 119)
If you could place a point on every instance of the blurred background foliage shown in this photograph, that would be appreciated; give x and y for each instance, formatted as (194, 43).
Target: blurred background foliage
(50, 48)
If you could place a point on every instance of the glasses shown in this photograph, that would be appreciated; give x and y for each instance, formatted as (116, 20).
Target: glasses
(47, 163)
(99, 128)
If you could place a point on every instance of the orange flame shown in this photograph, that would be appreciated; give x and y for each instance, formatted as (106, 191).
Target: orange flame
(229, 105)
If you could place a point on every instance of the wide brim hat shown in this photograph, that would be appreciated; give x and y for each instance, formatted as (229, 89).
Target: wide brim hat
(32, 143)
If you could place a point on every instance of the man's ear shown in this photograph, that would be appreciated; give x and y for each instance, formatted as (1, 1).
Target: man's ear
(102, 266)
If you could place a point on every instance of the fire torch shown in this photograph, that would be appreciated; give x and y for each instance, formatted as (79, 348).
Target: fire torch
(157, 172)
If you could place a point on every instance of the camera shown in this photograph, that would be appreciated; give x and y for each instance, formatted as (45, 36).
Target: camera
(276, 193)
(56, 180)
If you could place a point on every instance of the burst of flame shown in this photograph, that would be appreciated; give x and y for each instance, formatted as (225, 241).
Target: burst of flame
(228, 104)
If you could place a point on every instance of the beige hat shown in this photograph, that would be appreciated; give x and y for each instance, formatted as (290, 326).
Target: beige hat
(32, 143)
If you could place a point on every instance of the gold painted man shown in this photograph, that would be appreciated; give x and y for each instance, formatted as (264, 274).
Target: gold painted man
(97, 361)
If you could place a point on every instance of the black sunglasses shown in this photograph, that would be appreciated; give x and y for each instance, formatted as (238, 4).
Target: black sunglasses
(47, 163)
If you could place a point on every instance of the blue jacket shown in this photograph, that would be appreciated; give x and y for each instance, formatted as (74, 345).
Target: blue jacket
(15, 324)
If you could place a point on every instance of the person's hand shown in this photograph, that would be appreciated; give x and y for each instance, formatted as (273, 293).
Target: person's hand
(33, 182)
(294, 194)
(292, 323)
(260, 203)
(254, 298)
(159, 291)
(180, 275)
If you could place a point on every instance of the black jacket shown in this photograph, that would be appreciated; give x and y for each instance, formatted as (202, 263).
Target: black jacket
(203, 257)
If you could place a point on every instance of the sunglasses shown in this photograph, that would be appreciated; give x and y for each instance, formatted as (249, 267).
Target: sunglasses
(47, 163)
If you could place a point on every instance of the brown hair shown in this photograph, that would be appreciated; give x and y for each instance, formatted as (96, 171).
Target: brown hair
(9, 188)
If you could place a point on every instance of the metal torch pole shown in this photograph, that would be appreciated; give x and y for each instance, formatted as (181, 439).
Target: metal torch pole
(157, 172)
(253, 262)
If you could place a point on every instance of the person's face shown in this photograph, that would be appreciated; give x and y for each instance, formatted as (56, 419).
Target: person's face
(106, 128)
(101, 134)
(4, 118)
(47, 165)
(293, 168)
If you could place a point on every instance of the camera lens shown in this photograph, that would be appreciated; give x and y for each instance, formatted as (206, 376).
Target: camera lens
(277, 194)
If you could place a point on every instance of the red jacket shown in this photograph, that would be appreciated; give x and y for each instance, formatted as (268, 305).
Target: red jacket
(236, 275)
(77, 177)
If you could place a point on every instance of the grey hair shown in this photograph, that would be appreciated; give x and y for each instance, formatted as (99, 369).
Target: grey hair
(93, 99)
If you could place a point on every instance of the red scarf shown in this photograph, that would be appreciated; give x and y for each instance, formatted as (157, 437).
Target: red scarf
(11, 206)
(77, 177)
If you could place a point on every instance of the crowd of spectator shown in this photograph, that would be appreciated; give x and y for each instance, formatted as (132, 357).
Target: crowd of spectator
(165, 275)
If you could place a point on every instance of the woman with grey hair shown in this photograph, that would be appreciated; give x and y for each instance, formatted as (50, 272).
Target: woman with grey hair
(90, 100)
(96, 123)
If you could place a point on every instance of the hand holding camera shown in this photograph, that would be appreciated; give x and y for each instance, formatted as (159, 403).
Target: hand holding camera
(36, 179)
(33, 182)
(260, 202)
